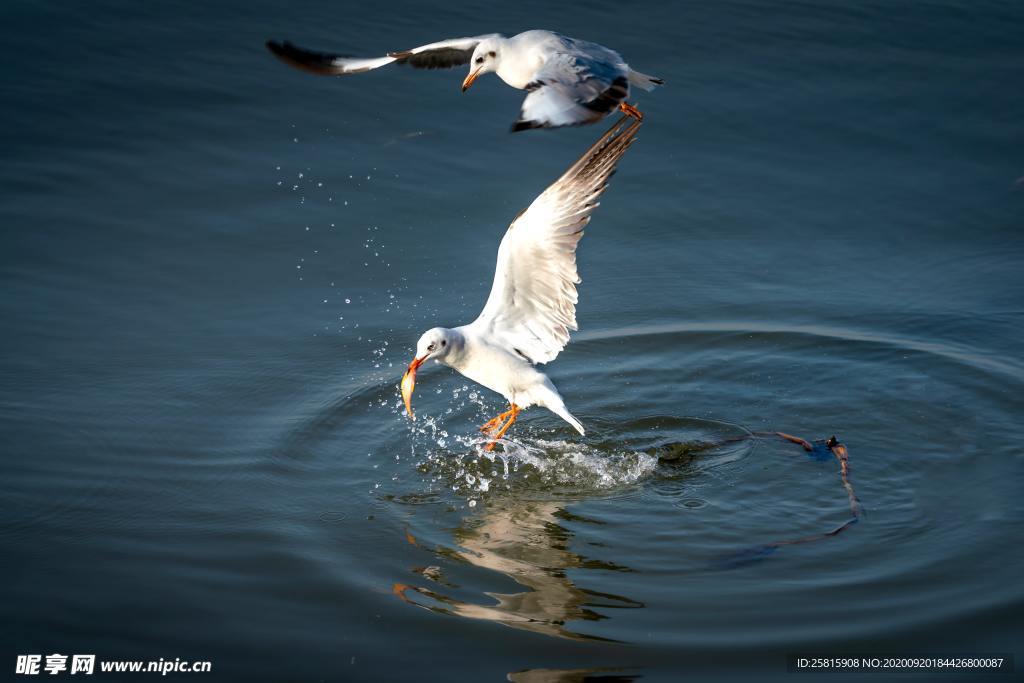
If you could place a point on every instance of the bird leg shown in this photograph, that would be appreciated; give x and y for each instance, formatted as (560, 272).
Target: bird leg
(630, 110)
(491, 424)
(504, 428)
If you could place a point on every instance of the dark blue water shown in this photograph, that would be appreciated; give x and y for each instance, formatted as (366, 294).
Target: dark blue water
(214, 269)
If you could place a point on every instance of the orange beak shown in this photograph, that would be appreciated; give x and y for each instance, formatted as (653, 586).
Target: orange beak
(409, 383)
(470, 78)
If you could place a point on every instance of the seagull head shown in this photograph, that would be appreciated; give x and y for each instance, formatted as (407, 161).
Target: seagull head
(436, 344)
(485, 60)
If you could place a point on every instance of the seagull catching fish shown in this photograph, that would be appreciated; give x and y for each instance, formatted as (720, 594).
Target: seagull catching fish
(570, 82)
(532, 304)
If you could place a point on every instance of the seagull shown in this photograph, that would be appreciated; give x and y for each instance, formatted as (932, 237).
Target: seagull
(569, 82)
(532, 305)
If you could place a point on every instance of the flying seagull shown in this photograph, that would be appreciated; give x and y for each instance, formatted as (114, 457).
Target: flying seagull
(532, 305)
(569, 82)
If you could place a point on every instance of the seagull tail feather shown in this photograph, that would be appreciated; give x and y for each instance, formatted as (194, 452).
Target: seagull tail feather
(643, 81)
(561, 412)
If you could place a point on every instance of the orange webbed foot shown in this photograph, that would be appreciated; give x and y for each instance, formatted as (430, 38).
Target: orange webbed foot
(510, 415)
(630, 110)
(493, 423)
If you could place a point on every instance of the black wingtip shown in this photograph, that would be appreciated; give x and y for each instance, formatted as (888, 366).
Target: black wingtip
(285, 51)
(525, 125)
(278, 48)
(320, 63)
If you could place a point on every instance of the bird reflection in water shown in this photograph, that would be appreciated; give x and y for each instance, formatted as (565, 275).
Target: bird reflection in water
(599, 675)
(524, 541)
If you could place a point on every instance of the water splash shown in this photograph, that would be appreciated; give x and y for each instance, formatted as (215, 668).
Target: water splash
(531, 464)
(579, 464)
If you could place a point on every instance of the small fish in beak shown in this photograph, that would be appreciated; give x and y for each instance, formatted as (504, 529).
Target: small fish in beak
(409, 384)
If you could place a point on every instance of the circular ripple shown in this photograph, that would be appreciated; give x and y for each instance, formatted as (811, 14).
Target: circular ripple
(931, 481)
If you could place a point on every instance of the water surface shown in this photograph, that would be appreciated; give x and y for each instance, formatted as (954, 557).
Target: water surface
(215, 270)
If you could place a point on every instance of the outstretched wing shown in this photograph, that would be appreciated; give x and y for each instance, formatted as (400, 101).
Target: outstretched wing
(532, 305)
(572, 89)
(440, 55)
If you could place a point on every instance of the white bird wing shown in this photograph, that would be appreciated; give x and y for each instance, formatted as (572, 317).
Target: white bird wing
(532, 305)
(572, 89)
(443, 54)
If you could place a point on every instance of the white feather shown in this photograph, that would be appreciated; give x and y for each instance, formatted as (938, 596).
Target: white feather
(532, 305)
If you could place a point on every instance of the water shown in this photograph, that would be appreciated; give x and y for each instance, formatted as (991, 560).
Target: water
(215, 269)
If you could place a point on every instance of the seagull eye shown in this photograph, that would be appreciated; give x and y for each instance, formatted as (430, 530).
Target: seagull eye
(444, 342)
(431, 347)
(479, 60)
(491, 54)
